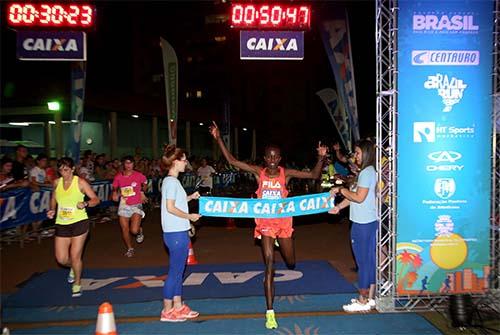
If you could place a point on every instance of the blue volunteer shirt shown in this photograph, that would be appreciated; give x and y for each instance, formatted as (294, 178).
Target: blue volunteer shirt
(366, 211)
(172, 189)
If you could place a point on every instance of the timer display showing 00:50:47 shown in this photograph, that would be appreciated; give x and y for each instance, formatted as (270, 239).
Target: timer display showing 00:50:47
(50, 15)
(270, 16)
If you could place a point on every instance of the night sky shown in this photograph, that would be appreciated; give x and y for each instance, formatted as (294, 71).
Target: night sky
(275, 97)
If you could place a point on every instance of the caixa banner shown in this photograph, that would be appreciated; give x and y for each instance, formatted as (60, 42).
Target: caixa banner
(272, 45)
(52, 45)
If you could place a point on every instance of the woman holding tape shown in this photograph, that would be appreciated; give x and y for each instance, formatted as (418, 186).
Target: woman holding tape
(175, 224)
(363, 215)
(272, 181)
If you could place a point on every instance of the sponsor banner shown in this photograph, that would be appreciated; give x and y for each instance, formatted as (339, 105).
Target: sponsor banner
(22, 206)
(284, 45)
(266, 208)
(171, 74)
(445, 127)
(335, 35)
(78, 74)
(51, 45)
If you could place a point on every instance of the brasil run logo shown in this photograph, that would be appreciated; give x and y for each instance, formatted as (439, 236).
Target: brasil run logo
(451, 90)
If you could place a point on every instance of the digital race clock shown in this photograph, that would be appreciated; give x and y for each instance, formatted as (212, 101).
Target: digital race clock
(50, 15)
(276, 16)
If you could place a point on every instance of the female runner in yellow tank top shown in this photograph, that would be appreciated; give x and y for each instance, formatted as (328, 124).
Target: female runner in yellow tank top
(72, 225)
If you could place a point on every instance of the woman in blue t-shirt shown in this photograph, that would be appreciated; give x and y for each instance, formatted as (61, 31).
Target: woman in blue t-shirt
(363, 215)
(175, 224)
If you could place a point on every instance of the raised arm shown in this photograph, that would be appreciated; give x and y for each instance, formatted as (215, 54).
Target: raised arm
(315, 172)
(214, 131)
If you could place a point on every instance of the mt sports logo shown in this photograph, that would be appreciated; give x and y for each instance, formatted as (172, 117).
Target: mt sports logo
(439, 23)
(428, 132)
(451, 90)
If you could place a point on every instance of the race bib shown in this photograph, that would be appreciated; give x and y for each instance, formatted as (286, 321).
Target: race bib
(67, 213)
(127, 191)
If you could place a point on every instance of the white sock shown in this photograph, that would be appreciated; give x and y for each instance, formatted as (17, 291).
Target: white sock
(270, 311)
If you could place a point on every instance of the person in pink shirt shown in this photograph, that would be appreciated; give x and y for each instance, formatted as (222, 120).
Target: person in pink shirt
(128, 187)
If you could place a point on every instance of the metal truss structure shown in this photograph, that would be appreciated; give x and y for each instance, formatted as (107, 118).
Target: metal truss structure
(388, 299)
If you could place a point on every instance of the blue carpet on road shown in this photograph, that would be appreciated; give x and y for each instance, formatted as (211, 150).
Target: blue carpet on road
(400, 323)
(122, 286)
(218, 306)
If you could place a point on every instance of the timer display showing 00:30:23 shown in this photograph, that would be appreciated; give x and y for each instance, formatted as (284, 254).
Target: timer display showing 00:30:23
(50, 15)
(270, 16)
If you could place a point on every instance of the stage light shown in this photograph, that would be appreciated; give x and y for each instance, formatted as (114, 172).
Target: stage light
(22, 124)
(201, 123)
(245, 129)
(74, 121)
(460, 308)
(135, 116)
(52, 122)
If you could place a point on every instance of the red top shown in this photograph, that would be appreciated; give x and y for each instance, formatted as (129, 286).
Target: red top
(272, 188)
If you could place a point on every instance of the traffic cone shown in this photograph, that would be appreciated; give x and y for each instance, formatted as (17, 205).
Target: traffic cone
(105, 320)
(191, 259)
(231, 224)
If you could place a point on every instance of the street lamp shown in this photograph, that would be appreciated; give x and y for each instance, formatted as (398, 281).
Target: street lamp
(54, 106)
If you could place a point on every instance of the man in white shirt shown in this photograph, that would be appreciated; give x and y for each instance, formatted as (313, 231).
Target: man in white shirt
(205, 172)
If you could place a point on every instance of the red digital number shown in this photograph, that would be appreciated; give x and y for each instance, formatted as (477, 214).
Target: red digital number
(86, 16)
(50, 15)
(237, 14)
(28, 14)
(249, 16)
(304, 15)
(276, 12)
(45, 12)
(15, 14)
(270, 16)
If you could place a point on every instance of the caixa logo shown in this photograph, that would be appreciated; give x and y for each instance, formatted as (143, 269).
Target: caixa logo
(431, 23)
(272, 44)
(443, 161)
(50, 44)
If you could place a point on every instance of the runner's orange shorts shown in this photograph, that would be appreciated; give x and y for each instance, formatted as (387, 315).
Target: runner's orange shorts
(275, 228)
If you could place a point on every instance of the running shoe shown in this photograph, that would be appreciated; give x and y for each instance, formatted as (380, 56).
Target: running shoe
(130, 252)
(186, 312)
(271, 320)
(371, 302)
(76, 291)
(47, 233)
(356, 306)
(139, 238)
(71, 276)
(171, 316)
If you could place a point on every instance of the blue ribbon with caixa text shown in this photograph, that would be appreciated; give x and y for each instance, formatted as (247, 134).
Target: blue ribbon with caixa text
(266, 208)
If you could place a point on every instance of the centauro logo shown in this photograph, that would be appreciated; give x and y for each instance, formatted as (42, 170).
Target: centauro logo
(50, 44)
(272, 44)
